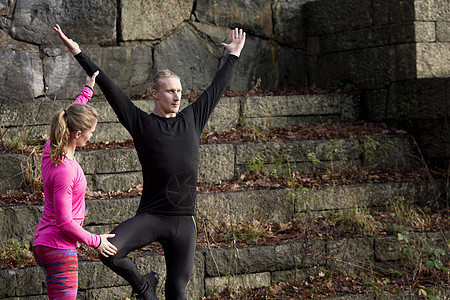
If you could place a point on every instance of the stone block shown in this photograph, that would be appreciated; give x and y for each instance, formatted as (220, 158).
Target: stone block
(114, 182)
(298, 151)
(353, 297)
(375, 103)
(152, 19)
(254, 16)
(95, 274)
(8, 283)
(309, 253)
(350, 255)
(350, 108)
(365, 195)
(433, 138)
(374, 37)
(291, 121)
(21, 75)
(233, 261)
(218, 284)
(100, 229)
(277, 106)
(389, 152)
(117, 292)
(64, 78)
(393, 11)
(38, 112)
(286, 256)
(289, 23)
(11, 177)
(110, 211)
(186, 54)
(307, 155)
(216, 163)
(336, 16)
(432, 10)
(30, 281)
(425, 32)
(424, 99)
(33, 21)
(443, 32)
(389, 248)
(108, 161)
(404, 62)
(433, 60)
(20, 222)
(258, 60)
(368, 68)
(294, 276)
(225, 115)
(245, 206)
(129, 66)
(107, 132)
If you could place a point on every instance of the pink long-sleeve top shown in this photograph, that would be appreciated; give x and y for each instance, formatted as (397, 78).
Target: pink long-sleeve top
(64, 189)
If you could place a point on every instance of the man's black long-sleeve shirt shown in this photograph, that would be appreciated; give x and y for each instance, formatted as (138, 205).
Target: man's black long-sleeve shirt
(168, 148)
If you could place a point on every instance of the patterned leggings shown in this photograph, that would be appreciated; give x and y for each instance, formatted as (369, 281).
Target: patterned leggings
(61, 271)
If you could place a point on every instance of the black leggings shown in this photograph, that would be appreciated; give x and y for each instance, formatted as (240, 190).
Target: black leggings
(177, 235)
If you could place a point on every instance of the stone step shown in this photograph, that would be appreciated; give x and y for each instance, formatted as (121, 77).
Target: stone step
(119, 169)
(217, 268)
(276, 205)
(31, 120)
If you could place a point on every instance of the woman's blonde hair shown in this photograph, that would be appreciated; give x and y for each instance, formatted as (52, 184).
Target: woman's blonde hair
(76, 117)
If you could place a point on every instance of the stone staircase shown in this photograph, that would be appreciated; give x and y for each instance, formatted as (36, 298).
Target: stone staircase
(117, 169)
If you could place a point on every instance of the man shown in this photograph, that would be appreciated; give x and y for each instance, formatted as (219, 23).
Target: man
(167, 143)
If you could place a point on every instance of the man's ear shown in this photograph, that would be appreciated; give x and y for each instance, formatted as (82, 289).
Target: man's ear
(155, 94)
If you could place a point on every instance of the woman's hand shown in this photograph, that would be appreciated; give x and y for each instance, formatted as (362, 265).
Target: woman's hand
(237, 42)
(90, 80)
(71, 44)
(106, 248)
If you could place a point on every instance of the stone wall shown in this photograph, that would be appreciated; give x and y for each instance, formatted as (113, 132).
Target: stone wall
(397, 52)
(130, 40)
(119, 169)
(218, 268)
(102, 215)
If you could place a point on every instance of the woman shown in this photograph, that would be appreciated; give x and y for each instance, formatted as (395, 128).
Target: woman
(59, 230)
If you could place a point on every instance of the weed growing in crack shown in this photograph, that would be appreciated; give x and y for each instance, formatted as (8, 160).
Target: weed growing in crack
(31, 172)
(359, 220)
(256, 163)
(16, 252)
(406, 213)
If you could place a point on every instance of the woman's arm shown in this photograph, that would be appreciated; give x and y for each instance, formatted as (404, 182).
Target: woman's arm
(63, 188)
(88, 90)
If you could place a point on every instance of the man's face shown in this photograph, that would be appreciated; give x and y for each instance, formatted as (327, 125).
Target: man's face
(167, 97)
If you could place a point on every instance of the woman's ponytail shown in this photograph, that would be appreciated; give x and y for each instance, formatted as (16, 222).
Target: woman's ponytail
(59, 136)
(76, 117)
